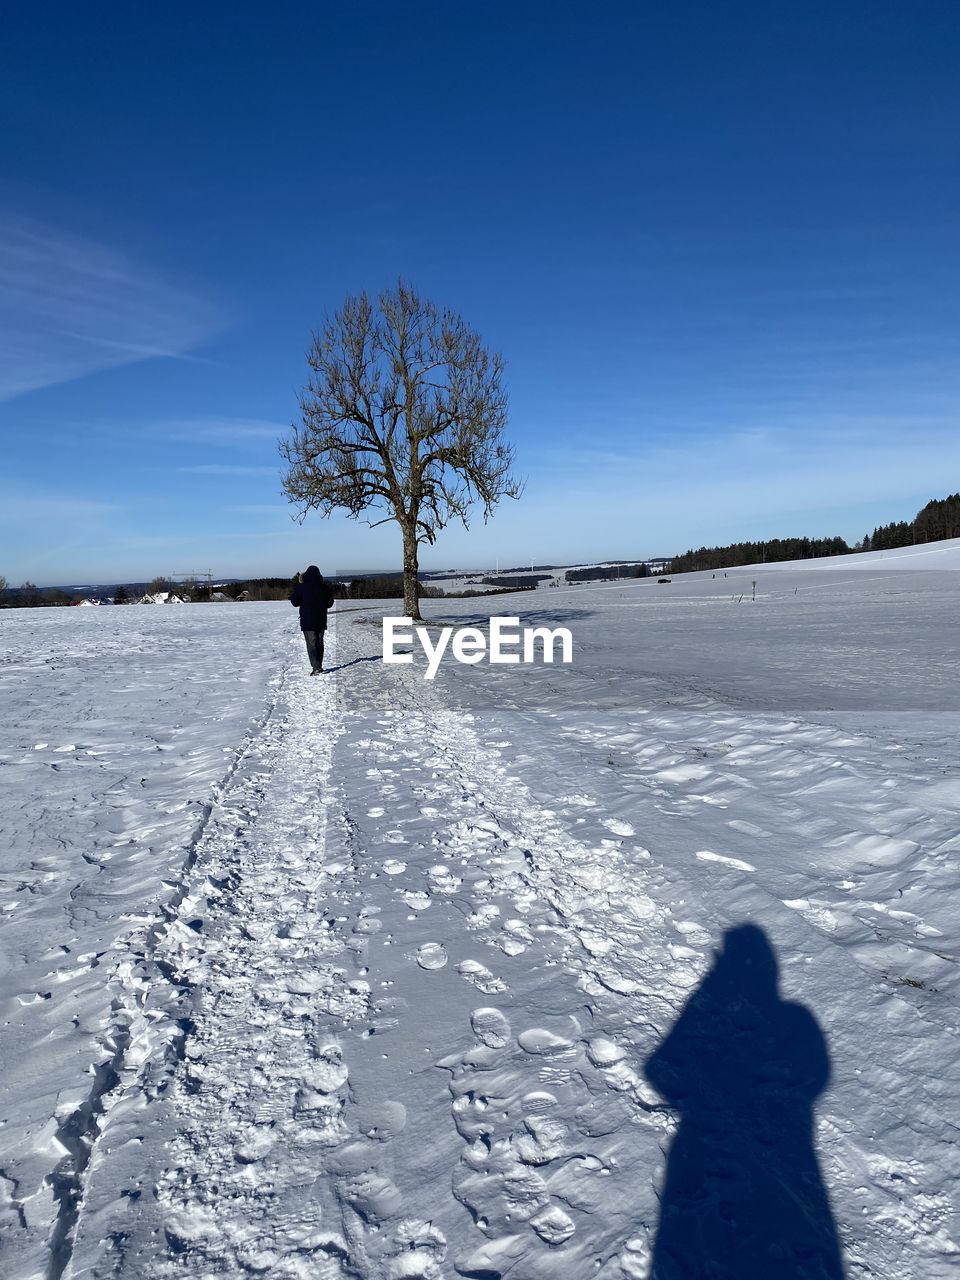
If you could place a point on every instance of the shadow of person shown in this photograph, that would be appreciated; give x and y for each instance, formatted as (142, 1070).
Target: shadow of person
(374, 657)
(743, 1197)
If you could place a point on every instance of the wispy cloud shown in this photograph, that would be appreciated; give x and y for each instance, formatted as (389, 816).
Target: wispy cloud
(70, 306)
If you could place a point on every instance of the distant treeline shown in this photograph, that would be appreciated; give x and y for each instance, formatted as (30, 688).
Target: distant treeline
(939, 519)
(520, 582)
(250, 589)
(392, 589)
(603, 573)
(30, 596)
(774, 549)
(380, 589)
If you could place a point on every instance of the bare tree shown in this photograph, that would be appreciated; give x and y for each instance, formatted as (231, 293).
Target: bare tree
(402, 419)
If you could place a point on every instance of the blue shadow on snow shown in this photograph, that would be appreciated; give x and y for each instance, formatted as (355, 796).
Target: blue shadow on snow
(743, 1197)
(374, 657)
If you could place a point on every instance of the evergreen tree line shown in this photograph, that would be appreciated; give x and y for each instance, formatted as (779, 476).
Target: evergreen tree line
(939, 519)
(392, 589)
(607, 572)
(774, 549)
(379, 589)
(521, 581)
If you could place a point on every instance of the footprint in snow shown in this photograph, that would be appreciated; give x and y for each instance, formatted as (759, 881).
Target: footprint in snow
(381, 1121)
(318, 1096)
(618, 828)
(552, 1224)
(255, 1143)
(442, 880)
(537, 1040)
(481, 977)
(416, 899)
(368, 924)
(706, 856)
(328, 1072)
(490, 1027)
(374, 1196)
(431, 955)
(510, 945)
(418, 1252)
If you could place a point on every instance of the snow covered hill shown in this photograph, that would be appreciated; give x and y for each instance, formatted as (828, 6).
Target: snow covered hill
(567, 971)
(925, 555)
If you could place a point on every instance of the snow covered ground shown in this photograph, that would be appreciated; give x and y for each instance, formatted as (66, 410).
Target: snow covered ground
(641, 966)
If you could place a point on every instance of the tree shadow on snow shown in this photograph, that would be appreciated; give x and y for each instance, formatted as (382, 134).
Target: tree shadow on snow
(743, 1197)
(529, 618)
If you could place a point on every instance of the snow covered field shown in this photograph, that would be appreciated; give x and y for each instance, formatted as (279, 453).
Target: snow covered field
(642, 966)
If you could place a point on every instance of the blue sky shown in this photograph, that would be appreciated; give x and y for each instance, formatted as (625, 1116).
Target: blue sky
(717, 245)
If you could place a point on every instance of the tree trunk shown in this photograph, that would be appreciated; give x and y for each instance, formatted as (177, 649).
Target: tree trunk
(411, 594)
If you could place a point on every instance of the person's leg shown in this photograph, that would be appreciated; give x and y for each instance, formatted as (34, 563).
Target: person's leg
(320, 635)
(310, 638)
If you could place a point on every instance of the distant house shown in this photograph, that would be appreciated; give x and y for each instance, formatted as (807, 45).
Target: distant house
(244, 595)
(163, 597)
(221, 597)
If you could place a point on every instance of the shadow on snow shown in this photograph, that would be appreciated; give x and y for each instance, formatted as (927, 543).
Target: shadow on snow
(373, 657)
(743, 1197)
(530, 618)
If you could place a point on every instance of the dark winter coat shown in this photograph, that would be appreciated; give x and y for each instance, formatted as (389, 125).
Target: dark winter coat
(314, 597)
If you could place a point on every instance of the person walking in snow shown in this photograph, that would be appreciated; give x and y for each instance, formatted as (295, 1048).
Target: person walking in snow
(313, 597)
